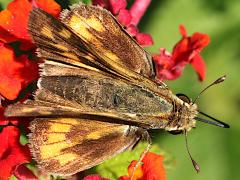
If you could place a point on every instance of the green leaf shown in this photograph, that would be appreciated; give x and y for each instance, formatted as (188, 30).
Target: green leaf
(118, 166)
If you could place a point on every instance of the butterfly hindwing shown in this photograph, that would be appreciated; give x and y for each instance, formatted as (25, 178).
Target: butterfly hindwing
(68, 145)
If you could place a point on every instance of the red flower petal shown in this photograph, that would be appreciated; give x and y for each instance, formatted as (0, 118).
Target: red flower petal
(12, 153)
(199, 41)
(15, 72)
(151, 169)
(49, 6)
(14, 20)
(117, 5)
(124, 17)
(164, 63)
(3, 120)
(138, 173)
(183, 31)
(138, 9)
(144, 39)
(132, 30)
(17, 25)
(188, 47)
(199, 66)
(124, 178)
(186, 51)
(5, 34)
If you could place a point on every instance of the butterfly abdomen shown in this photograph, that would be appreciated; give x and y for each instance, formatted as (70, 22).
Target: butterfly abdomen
(106, 95)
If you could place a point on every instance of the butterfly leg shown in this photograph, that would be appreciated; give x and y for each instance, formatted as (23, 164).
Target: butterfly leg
(145, 135)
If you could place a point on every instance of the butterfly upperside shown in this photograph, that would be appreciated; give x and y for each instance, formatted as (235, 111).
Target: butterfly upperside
(96, 94)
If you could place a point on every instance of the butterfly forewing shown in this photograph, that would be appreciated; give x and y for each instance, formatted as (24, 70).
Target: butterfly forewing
(107, 39)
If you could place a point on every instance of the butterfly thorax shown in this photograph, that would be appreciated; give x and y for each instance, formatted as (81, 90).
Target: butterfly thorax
(182, 116)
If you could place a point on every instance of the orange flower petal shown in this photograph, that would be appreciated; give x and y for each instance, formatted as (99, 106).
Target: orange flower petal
(15, 72)
(14, 20)
(150, 169)
(49, 6)
(5, 35)
(138, 173)
(153, 167)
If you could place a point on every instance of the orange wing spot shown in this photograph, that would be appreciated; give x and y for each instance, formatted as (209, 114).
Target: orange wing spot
(55, 137)
(52, 150)
(58, 127)
(94, 23)
(80, 27)
(67, 120)
(60, 46)
(65, 33)
(47, 32)
(111, 55)
(66, 158)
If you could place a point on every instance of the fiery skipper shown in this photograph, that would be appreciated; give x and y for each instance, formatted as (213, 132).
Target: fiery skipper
(97, 95)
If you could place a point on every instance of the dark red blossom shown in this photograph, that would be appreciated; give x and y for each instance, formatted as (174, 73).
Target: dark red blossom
(12, 153)
(129, 18)
(21, 172)
(150, 169)
(186, 51)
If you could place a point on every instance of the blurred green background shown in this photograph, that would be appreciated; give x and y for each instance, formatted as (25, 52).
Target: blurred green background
(217, 150)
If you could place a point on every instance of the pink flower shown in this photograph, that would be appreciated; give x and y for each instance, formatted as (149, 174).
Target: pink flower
(94, 177)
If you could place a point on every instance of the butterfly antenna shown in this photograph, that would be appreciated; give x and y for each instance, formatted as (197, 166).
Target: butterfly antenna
(214, 121)
(219, 80)
(195, 164)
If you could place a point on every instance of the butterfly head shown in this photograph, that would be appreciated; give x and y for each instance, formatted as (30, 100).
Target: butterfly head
(183, 115)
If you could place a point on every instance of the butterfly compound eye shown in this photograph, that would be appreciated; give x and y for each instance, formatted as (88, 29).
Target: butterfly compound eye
(176, 132)
(184, 98)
